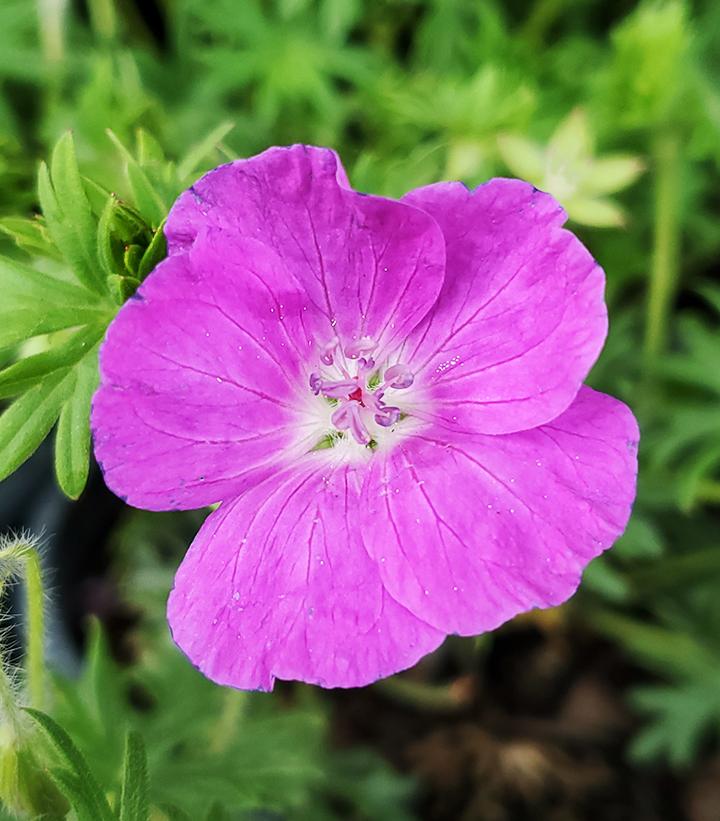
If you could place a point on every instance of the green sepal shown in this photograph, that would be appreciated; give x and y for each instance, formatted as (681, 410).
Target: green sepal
(154, 253)
(119, 226)
(132, 257)
(122, 287)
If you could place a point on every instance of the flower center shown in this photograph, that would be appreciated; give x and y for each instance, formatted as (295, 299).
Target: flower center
(351, 379)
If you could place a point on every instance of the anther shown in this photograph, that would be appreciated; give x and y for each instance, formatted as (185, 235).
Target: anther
(399, 376)
(364, 345)
(387, 416)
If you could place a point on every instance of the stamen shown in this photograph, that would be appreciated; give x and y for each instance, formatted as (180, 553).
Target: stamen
(387, 416)
(360, 346)
(399, 376)
(326, 357)
(347, 417)
(359, 392)
(315, 383)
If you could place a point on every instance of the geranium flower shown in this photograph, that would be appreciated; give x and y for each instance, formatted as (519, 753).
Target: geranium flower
(386, 398)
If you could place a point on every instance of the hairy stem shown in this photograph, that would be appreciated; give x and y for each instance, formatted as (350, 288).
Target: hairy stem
(35, 653)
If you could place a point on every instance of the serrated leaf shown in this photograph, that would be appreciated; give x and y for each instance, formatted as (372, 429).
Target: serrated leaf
(29, 419)
(87, 792)
(20, 282)
(25, 374)
(31, 235)
(134, 804)
(35, 303)
(68, 214)
(72, 442)
(147, 200)
(26, 323)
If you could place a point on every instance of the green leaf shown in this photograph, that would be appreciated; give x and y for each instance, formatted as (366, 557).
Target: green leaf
(525, 158)
(147, 200)
(68, 214)
(31, 235)
(35, 303)
(25, 374)
(607, 175)
(599, 213)
(20, 283)
(77, 778)
(28, 420)
(72, 442)
(190, 162)
(134, 804)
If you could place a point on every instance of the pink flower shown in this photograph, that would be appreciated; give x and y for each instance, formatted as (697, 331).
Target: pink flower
(387, 399)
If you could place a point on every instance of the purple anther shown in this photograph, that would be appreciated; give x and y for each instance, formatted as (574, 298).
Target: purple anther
(361, 346)
(399, 376)
(315, 383)
(387, 416)
(326, 357)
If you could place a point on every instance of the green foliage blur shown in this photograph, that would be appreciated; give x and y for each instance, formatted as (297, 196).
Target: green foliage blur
(612, 107)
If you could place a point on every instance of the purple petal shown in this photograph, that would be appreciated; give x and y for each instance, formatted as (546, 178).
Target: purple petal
(203, 379)
(372, 266)
(277, 584)
(521, 317)
(468, 534)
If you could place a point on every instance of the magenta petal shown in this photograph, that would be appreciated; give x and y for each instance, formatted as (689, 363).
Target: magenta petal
(521, 317)
(373, 266)
(203, 377)
(277, 584)
(471, 533)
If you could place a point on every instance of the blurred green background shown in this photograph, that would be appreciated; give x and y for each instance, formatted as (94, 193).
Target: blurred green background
(606, 708)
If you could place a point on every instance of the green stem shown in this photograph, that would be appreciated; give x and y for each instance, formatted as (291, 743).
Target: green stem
(9, 710)
(35, 653)
(103, 18)
(664, 271)
(20, 558)
(224, 733)
(51, 18)
(426, 697)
